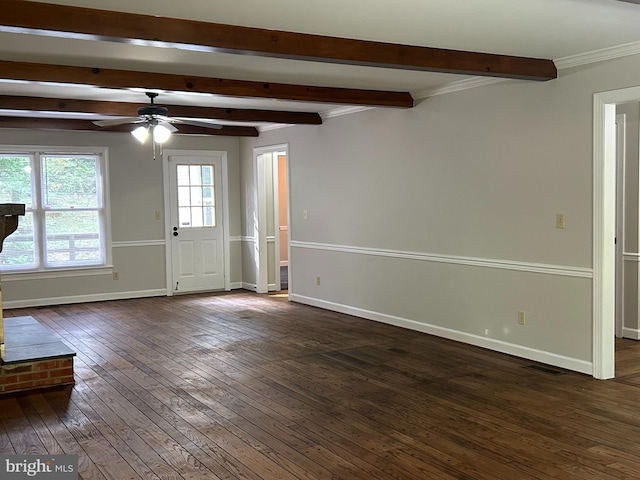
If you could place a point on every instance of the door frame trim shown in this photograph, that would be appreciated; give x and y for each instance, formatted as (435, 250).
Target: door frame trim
(604, 228)
(260, 234)
(225, 212)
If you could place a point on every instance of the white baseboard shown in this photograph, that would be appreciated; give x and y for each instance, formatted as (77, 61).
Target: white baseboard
(548, 358)
(41, 302)
(249, 286)
(632, 333)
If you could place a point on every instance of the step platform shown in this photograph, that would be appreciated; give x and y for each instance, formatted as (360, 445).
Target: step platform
(34, 357)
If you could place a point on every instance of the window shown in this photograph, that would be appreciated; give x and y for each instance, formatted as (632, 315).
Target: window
(66, 219)
(196, 196)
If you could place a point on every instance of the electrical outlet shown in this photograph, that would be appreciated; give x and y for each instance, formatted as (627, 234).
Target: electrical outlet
(522, 318)
(115, 276)
(317, 280)
(560, 221)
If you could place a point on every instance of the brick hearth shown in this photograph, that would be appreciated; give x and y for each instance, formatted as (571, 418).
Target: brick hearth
(33, 357)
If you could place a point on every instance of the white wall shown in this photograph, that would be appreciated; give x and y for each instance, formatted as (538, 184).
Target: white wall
(136, 190)
(442, 217)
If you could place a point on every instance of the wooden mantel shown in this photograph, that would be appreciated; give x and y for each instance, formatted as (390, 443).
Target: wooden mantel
(9, 213)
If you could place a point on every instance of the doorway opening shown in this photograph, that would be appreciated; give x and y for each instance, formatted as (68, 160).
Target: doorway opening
(273, 264)
(605, 138)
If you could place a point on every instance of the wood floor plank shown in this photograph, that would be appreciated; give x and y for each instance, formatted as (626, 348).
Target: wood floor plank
(244, 386)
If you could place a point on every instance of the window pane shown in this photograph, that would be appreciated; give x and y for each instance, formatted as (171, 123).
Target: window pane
(70, 181)
(19, 248)
(184, 197)
(183, 174)
(196, 196)
(207, 196)
(207, 175)
(15, 179)
(72, 238)
(209, 216)
(184, 216)
(196, 216)
(196, 177)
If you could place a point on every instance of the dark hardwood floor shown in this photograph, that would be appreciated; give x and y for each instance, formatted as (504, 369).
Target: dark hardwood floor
(242, 386)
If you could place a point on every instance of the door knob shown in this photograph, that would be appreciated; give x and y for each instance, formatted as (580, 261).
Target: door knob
(175, 234)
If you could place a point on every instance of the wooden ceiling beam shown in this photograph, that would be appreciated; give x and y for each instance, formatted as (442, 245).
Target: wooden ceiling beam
(107, 78)
(74, 124)
(60, 20)
(126, 109)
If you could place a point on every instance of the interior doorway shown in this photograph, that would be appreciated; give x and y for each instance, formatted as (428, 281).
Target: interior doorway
(272, 226)
(604, 226)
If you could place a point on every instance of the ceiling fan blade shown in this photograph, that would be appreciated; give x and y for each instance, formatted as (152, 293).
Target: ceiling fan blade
(197, 123)
(117, 121)
(168, 125)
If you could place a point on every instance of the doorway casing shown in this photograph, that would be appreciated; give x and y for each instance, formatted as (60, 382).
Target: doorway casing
(604, 226)
(266, 163)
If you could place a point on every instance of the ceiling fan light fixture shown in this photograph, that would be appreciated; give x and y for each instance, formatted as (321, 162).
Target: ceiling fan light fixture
(141, 133)
(161, 133)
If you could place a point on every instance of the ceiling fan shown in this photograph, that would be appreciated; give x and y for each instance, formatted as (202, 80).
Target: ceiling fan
(154, 120)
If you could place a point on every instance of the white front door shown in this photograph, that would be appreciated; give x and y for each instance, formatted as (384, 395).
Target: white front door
(196, 223)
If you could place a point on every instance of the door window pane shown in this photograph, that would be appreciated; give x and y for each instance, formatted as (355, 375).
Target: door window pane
(196, 196)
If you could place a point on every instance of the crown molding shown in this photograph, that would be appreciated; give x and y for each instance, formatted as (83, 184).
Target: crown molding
(595, 56)
(337, 112)
(601, 55)
(458, 86)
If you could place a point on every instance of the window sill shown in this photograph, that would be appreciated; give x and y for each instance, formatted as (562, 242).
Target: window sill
(17, 276)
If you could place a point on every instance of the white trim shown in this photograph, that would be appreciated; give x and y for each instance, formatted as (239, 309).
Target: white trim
(548, 358)
(249, 239)
(454, 259)
(17, 276)
(39, 302)
(263, 183)
(632, 333)
(475, 82)
(236, 285)
(273, 126)
(598, 55)
(621, 161)
(460, 85)
(249, 286)
(631, 257)
(338, 112)
(140, 243)
(236, 239)
(604, 193)
(271, 239)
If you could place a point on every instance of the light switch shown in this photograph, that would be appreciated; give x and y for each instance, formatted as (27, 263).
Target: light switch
(305, 215)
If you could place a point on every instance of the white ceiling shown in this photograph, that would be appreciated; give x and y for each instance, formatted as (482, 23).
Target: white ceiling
(551, 29)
